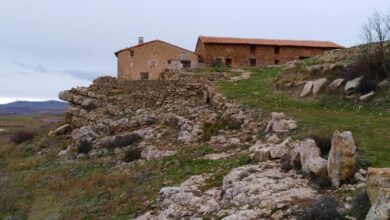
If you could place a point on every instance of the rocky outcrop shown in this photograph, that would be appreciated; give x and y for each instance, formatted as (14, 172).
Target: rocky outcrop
(367, 96)
(83, 139)
(268, 191)
(279, 123)
(319, 84)
(380, 209)
(310, 159)
(62, 129)
(377, 180)
(350, 86)
(378, 190)
(341, 159)
(307, 88)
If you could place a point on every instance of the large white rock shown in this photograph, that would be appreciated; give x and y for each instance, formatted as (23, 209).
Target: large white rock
(279, 123)
(353, 84)
(341, 159)
(336, 83)
(311, 161)
(307, 88)
(366, 96)
(319, 84)
(380, 209)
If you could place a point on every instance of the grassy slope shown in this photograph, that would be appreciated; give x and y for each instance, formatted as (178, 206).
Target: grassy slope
(370, 126)
(41, 186)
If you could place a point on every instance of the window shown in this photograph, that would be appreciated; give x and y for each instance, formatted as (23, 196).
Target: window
(276, 62)
(186, 63)
(144, 76)
(131, 53)
(253, 50)
(277, 49)
(228, 61)
(169, 61)
(253, 62)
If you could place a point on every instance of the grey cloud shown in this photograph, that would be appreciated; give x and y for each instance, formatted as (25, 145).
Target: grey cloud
(82, 74)
(34, 67)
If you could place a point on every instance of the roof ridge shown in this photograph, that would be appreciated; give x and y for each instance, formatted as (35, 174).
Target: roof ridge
(261, 41)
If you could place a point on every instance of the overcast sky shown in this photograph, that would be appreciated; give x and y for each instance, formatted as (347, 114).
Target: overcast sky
(48, 46)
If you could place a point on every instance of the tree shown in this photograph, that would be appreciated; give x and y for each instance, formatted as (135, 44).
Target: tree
(376, 51)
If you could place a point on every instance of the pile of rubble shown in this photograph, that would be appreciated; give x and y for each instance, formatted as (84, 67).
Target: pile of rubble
(151, 118)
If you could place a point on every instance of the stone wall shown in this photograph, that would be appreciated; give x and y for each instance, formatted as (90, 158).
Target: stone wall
(265, 55)
(152, 58)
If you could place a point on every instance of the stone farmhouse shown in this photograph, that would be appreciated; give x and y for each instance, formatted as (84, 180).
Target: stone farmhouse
(257, 52)
(147, 60)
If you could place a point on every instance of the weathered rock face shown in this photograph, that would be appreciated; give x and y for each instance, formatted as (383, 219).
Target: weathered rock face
(350, 86)
(161, 113)
(380, 208)
(307, 88)
(310, 159)
(341, 160)
(377, 179)
(319, 84)
(279, 123)
(378, 190)
(248, 192)
(62, 129)
(151, 152)
(84, 139)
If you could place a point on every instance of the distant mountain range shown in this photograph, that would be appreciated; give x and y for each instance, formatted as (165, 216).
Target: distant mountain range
(28, 107)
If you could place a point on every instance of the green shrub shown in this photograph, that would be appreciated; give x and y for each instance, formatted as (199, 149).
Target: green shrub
(360, 205)
(22, 136)
(323, 208)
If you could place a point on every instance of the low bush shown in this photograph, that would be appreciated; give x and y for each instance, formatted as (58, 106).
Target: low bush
(362, 163)
(323, 208)
(366, 86)
(9, 197)
(360, 205)
(323, 182)
(84, 146)
(22, 136)
(285, 163)
(132, 154)
(357, 69)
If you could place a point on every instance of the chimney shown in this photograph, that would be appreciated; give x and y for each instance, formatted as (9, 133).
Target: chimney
(140, 40)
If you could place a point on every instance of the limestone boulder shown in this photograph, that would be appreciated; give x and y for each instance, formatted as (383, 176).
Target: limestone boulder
(377, 179)
(310, 159)
(261, 155)
(151, 152)
(336, 83)
(2, 131)
(279, 123)
(341, 159)
(307, 88)
(217, 141)
(84, 139)
(367, 96)
(319, 84)
(62, 129)
(353, 84)
(380, 209)
(278, 150)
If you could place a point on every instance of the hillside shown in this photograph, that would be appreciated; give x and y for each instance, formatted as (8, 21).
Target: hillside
(28, 107)
(191, 145)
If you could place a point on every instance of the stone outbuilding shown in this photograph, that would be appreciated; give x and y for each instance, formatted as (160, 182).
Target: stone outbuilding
(146, 61)
(257, 52)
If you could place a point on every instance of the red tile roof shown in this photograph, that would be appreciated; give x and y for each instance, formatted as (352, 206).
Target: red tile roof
(153, 41)
(251, 41)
